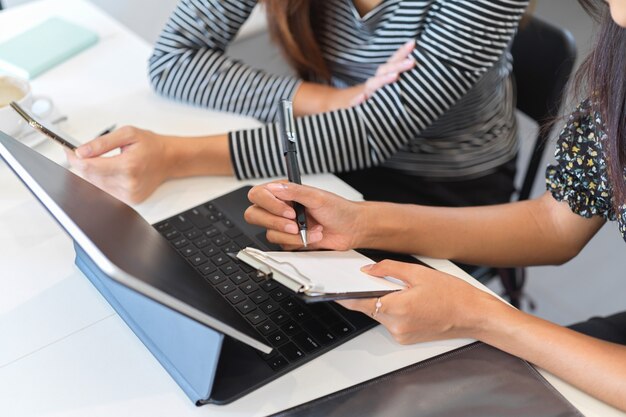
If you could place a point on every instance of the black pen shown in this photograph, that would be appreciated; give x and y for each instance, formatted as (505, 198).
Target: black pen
(288, 128)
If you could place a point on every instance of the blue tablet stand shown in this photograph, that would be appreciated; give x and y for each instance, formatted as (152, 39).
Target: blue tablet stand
(188, 350)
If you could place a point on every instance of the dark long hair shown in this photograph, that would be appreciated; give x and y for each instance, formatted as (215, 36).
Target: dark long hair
(291, 26)
(603, 75)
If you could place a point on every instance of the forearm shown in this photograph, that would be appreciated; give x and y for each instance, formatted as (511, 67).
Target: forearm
(525, 233)
(594, 366)
(193, 156)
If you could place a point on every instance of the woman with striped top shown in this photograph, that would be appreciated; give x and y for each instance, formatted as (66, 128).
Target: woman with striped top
(436, 116)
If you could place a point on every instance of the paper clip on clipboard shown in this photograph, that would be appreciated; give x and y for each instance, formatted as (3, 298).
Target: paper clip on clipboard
(296, 281)
(291, 277)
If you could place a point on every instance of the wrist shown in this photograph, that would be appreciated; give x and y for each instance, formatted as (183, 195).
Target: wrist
(486, 317)
(193, 156)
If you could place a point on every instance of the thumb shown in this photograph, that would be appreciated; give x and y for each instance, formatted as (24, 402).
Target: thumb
(405, 272)
(104, 144)
(309, 197)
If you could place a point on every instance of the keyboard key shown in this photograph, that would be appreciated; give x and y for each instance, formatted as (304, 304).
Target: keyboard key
(280, 317)
(171, 234)
(256, 317)
(208, 268)
(233, 233)
(239, 278)
(198, 259)
(319, 332)
(291, 328)
(226, 287)
(181, 223)
(220, 259)
(203, 242)
(249, 287)
(231, 248)
(341, 329)
(216, 278)
(277, 362)
(291, 352)
(267, 327)
(278, 338)
(198, 219)
(210, 251)
(278, 295)
(246, 307)
(269, 307)
(259, 296)
(220, 240)
(269, 285)
(300, 314)
(305, 341)
(227, 223)
(229, 269)
(211, 232)
(189, 251)
(193, 234)
(289, 304)
(236, 297)
(163, 226)
(243, 241)
(180, 243)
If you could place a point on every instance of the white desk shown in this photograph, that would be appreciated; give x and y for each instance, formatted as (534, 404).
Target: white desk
(63, 351)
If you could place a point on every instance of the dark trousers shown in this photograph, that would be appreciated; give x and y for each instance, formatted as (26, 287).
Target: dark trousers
(610, 328)
(383, 184)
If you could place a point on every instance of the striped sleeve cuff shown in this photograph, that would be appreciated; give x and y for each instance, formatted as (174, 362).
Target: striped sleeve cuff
(328, 142)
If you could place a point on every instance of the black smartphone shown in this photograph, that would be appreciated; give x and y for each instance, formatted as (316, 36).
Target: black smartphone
(37, 124)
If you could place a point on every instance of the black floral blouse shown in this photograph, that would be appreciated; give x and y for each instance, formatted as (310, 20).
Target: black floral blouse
(580, 174)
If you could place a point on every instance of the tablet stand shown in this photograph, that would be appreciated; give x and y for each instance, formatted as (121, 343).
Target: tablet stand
(189, 351)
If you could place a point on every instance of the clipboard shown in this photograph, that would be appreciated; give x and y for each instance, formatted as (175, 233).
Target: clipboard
(316, 276)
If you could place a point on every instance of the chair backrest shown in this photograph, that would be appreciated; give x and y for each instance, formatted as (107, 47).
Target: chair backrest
(543, 60)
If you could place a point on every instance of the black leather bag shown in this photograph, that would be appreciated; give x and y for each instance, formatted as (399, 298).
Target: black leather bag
(475, 380)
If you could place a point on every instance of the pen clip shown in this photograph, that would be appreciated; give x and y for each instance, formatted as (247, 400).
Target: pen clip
(266, 261)
(287, 114)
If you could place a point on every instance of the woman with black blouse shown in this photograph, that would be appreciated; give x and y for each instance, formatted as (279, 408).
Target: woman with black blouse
(413, 97)
(585, 188)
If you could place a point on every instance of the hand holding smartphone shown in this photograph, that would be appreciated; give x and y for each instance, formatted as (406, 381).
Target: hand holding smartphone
(39, 125)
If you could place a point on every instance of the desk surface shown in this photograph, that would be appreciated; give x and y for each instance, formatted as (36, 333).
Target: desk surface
(64, 351)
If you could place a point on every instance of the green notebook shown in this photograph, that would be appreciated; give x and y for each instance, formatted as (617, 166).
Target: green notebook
(42, 47)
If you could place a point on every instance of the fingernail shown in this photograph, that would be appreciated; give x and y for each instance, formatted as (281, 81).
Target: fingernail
(291, 228)
(392, 75)
(314, 236)
(317, 228)
(83, 151)
(409, 62)
(276, 186)
(367, 267)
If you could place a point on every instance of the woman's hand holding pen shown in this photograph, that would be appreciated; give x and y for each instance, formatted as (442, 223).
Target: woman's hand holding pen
(147, 159)
(132, 175)
(333, 222)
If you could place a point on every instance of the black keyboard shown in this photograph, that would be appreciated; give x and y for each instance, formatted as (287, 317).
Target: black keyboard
(205, 236)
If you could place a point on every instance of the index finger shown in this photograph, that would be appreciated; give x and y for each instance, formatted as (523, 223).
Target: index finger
(262, 197)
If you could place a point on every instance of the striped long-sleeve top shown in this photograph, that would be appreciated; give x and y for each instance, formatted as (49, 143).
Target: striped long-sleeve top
(451, 116)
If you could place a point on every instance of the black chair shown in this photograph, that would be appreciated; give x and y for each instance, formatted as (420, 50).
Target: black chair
(543, 59)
